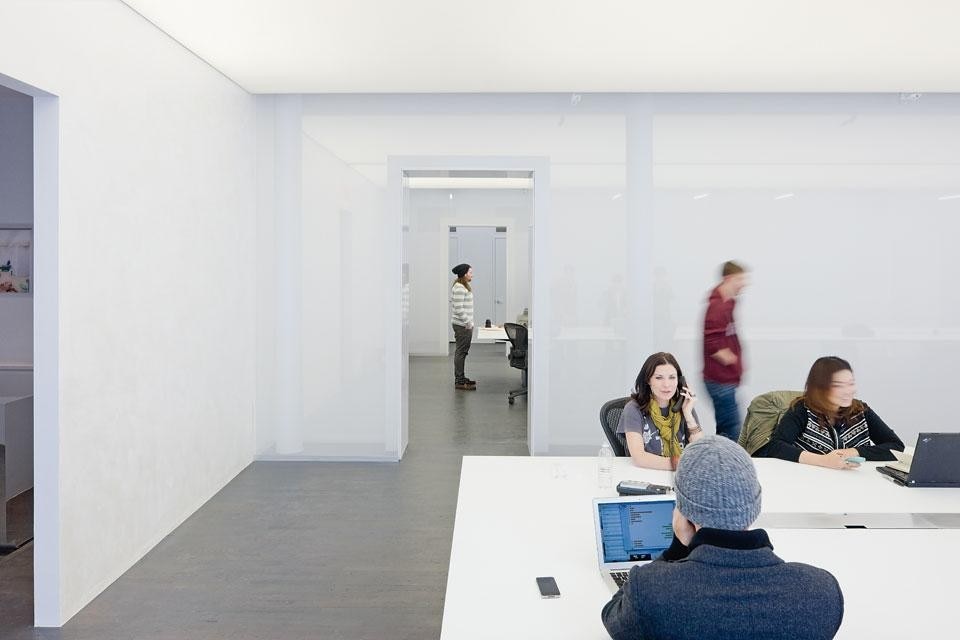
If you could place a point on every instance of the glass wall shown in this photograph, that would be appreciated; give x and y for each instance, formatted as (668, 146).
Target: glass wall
(843, 207)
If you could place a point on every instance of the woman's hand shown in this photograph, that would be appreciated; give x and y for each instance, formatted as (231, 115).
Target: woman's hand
(833, 460)
(689, 398)
(847, 453)
(837, 459)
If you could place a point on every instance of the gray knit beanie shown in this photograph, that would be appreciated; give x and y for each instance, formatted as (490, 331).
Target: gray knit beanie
(716, 485)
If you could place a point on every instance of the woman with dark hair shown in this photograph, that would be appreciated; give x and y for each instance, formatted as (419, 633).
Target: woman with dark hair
(461, 317)
(659, 420)
(826, 425)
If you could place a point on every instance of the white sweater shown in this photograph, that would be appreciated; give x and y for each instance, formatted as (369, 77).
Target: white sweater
(461, 306)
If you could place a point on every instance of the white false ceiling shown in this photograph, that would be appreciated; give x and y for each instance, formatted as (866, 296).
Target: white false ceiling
(380, 46)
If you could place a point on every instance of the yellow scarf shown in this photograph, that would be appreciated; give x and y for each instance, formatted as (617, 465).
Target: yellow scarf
(668, 427)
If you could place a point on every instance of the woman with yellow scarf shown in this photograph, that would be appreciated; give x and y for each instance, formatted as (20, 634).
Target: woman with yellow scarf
(659, 420)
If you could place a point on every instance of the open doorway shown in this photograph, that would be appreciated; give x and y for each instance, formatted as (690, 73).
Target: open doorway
(16, 320)
(29, 352)
(485, 249)
(483, 218)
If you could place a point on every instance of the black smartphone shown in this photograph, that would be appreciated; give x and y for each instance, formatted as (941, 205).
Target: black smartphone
(548, 587)
(678, 404)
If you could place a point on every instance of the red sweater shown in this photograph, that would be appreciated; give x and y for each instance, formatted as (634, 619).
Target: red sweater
(719, 331)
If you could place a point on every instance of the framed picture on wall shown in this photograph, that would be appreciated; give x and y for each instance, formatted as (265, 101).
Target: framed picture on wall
(16, 260)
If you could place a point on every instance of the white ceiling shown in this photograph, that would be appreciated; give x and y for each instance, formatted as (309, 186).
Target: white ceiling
(379, 46)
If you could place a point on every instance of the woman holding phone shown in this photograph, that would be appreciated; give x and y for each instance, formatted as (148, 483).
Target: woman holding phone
(659, 420)
(828, 427)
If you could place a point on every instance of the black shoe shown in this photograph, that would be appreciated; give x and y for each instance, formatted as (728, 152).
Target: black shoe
(470, 382)
(463, 386)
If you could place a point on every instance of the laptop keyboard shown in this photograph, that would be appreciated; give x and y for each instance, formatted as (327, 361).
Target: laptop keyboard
(896, 474)
(619, 577)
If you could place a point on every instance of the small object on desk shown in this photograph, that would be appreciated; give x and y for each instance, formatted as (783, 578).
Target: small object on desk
(548, 587)
(641, 488)
(855, 459)
(488, 324)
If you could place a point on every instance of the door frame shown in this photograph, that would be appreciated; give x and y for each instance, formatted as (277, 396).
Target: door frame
(397, 353)
(504, 223)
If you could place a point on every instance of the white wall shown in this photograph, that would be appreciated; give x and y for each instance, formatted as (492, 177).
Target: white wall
(342, 328)
(16, 157)
(156, 220)
(857, 263)
(16, 320)
(432, 213)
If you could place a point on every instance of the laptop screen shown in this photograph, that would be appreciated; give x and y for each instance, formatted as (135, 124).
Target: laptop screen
(634, 531)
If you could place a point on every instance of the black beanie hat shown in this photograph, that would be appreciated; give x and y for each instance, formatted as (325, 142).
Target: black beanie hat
(461, 269)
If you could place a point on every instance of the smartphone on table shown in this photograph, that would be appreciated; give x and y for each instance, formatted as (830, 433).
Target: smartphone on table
(548, 587)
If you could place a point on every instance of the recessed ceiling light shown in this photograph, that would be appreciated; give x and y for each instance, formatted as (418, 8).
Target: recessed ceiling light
(784, 196)
(950, 197)
(700, 196)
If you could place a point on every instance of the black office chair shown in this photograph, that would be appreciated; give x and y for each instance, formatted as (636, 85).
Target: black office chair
(609, 419)
(517, 334)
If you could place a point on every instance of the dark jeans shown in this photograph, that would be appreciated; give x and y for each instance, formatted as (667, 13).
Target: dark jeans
(463, 336)
(724, 398)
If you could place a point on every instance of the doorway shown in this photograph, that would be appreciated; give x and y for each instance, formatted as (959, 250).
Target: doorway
(33, 370)
(485, 248)
(438, 182)
(16, 319)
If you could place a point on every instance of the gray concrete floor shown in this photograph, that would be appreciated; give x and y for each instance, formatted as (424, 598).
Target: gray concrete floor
(306, 549)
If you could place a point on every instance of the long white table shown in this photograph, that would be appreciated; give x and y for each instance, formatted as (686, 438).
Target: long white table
(519, 518)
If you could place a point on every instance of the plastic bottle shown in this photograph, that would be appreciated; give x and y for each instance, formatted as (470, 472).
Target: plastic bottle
(605, 466)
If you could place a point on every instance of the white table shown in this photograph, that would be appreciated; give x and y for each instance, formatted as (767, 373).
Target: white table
(518, 518)
(494, 334)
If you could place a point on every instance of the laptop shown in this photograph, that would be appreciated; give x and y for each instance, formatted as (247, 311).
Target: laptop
(935, 462)
(631, 530)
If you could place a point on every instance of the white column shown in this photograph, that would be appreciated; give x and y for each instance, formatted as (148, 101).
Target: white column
(287, 180)
(640, 231)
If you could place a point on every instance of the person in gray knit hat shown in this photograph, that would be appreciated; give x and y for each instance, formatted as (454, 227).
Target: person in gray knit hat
(719, 578)
(717, 486)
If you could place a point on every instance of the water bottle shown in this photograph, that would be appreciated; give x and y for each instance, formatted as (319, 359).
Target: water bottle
(605, 466)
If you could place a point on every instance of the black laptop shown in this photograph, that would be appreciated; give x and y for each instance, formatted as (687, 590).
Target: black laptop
(936, 462)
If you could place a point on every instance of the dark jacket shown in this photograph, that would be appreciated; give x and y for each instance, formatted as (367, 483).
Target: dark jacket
(727, 584)
(720, 332)
(798, 431)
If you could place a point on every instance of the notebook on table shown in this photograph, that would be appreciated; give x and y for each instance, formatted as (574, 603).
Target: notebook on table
(630, 531)
(935, 462)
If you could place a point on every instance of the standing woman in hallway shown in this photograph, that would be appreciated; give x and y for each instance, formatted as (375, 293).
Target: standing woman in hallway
(461, 316)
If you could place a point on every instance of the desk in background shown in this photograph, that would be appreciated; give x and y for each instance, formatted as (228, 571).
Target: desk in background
(519, 517)
(494, 334)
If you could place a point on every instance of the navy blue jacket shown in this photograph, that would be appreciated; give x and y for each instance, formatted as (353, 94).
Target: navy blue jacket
(727, 584)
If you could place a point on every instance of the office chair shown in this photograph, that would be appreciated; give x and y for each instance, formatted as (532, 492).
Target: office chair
(517, 334)
(609, 419)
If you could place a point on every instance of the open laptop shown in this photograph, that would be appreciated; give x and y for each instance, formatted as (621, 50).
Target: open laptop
(631, 530)
(935, 462)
